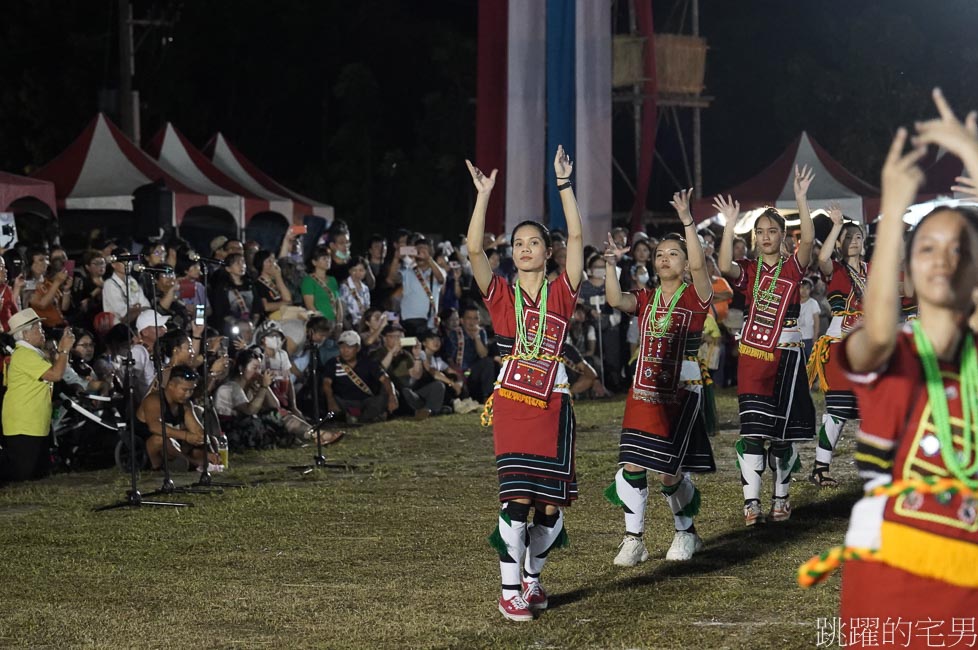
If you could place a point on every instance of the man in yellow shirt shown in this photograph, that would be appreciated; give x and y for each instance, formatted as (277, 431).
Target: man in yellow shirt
(27, 404)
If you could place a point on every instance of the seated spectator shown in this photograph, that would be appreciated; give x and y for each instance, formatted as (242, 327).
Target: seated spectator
(467, 352)
(82, 355)
(417, 397)
(272, 295)
(356, 386)
(114, 293)
(339, 246)
(271, 340)
(27, 405)
(174, 409)
(320, 291)
(374, 322)
(581, 375)
(8, 295)
(356, 293)
(453, 290)
(86, 288)
(190, 291)
(437, 369)
(37, 267)
(168, 301)
(52, 297)
(153, 256)
(376, 257)
(247, 406)
(318, 348)
(232, 295)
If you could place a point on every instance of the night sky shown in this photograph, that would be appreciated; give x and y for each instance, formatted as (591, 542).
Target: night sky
(369, 105)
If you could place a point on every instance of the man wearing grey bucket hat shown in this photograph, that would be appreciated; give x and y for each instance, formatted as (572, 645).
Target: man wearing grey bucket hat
(27, 404)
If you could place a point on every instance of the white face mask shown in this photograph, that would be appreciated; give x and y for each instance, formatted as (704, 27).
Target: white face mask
(598, 273)
(273, 342)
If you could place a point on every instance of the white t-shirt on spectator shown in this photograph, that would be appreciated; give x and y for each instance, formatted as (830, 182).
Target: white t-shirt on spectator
(806, 318)
(228, 398)
(114, 296)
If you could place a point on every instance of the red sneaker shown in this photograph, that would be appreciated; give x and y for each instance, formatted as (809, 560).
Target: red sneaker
(515, 609)
(534, 595)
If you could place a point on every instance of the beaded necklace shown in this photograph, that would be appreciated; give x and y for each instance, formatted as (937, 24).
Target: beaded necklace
(659, 326)
(938, 405)
(768, 295)
(531, 349)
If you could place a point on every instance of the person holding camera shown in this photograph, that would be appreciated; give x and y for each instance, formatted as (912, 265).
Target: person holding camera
(9, 303)
(27, 404)
(52, 297)
(421, 282)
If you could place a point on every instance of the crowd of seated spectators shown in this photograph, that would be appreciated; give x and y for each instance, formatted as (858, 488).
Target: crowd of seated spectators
(297, 336)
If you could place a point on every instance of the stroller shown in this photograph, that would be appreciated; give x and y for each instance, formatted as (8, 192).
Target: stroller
(85, 431)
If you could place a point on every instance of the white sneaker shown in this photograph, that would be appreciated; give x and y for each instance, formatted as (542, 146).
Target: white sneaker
(632, 551)
(684, 545)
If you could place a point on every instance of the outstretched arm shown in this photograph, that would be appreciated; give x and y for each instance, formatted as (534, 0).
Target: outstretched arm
(575, 235)
(481, 270)
(694, 252)
(612, 289)
(730, 209)
(803, 179)
(825, 255)
(872, 344)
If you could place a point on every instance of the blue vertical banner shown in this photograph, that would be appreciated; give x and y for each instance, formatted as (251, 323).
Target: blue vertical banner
(560, 96)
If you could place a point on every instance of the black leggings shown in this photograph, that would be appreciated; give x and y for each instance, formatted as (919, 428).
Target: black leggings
(27, 457)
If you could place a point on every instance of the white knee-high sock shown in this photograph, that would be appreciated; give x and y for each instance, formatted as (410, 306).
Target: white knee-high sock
(828, 438)
(511, 545)
(784, 460)
(750, 460)
(632, 493)
(544, 535)
(683, 500)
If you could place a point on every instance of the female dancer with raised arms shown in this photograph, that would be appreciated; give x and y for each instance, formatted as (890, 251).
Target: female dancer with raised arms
(663, 430)
(533, 422)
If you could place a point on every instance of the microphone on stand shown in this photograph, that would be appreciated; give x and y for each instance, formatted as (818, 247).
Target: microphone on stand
(196, 257)
(159, 270)
(133, 257)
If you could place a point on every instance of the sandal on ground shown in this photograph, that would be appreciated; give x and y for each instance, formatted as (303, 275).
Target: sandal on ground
(820, 477)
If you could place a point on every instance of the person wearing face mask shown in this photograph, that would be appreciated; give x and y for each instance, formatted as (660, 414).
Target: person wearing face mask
(339, 249)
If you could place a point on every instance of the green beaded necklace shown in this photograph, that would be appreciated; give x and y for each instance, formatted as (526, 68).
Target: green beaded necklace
(659, 326)
(768, 294)
(938, 405)
(530, 349)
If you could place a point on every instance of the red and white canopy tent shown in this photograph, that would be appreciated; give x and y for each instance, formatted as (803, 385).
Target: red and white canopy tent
(14, 188)
(102, 168)
(833, 184)
(180, 159)
(228, 159)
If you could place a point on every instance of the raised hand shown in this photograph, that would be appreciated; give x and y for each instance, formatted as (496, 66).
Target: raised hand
(562, 164)
(483, 183)
(729, 208)
(835, 214)
(948, 131)
(803, 179)
(901, 177)
(612, 252)
(680, 201)
(965, 185)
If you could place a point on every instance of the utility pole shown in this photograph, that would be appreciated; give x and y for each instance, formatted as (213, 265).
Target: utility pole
(128, 98)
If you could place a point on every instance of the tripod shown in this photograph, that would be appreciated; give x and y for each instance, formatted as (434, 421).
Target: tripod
(133, 498)
(319, 460)
(205, 479)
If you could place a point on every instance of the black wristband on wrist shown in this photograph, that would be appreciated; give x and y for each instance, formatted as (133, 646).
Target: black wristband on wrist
(687, 225)
(563, 186)
(563, 178)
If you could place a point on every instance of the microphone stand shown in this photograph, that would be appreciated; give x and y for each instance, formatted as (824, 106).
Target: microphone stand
(319, 460)
(167, 487)
(205, 479)
(133, 498)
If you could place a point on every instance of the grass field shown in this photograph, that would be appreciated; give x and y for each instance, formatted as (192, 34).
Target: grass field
(393, 554)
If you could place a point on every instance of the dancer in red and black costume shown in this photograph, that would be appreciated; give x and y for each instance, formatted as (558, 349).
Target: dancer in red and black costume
(663, 430)
(845, 275)
(533, 421)
(912, 543)
(772, 384)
